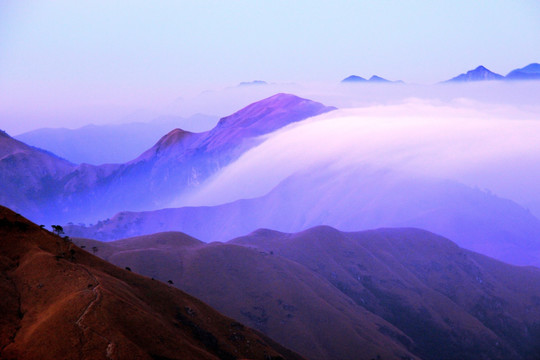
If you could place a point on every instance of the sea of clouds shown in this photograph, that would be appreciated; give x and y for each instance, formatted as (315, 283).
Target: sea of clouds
(490, 146)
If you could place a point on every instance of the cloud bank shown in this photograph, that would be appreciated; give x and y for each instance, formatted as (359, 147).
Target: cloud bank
(490, 147)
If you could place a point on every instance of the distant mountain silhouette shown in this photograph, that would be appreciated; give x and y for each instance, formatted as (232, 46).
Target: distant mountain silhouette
(478, 74)
(252, 83)
(101, 144)
(60, 302)
(396, 293)
(373, 79)
(529, 72)
(376, 78)
(353, 78)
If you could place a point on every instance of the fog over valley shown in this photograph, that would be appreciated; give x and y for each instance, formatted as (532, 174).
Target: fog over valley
(305, 180)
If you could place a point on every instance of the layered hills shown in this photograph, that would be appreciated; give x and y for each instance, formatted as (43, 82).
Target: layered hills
(29, 175)
(179, 161)
(350, 200)
(400, 293)
(105, 144)
(60, 302)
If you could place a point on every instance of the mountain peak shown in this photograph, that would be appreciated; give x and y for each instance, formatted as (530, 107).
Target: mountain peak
(376, 78)
(529, 72)
(353, 78)
(172, 140)
(534, 67)
(172, 137)
(480, 73)
(281, 106)
(372, 79)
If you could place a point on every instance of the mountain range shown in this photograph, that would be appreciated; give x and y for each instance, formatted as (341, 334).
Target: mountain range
(60, 302)
(481, 73)
(178, 162)
(350, 200)
(106, 144)
(386, 293)
(373, 79)
(393, 292)
(49, 189)
(529, 72)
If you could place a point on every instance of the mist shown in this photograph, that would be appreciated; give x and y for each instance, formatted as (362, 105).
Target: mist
(223, 100)
(494, 148)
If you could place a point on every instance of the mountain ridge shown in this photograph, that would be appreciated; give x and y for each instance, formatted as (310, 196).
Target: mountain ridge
(437, 300)
(529, 72)
(60, 302)
(480, 73)
(177, 163)
(445, 207)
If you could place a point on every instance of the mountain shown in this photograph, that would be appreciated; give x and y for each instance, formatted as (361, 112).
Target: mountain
(256, 288)
(373, 79)
(379, 79)
(351, 200)
(453, 303)
(393, 293)
(181, 160)
(101, 144)
(60, 302)
(529, 72)
(252, 83)
(177, 163)
(353, 78)
(478, 74)
(28, 175)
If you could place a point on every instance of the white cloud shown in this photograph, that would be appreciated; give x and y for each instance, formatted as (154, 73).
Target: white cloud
(495, 147)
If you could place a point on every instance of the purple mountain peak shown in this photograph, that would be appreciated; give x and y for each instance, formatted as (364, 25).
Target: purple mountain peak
(481, 73)
(272, 108)
(173, 137)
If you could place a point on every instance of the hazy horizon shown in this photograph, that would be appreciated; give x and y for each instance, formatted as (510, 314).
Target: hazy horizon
(65, 64)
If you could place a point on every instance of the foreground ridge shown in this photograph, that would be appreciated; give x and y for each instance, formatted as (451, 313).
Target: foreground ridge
(60, 302)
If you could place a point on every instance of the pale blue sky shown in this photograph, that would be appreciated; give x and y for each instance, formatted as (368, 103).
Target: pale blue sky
(58, 52)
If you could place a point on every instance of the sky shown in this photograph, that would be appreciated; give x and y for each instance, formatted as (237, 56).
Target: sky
(66, 56)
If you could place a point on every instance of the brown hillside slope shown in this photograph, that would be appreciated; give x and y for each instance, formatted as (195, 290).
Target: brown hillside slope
(276, 296)
(60, 302)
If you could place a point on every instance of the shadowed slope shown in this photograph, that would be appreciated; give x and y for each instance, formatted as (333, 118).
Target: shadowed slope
(177, 163)
(29, 176)
(276, 296)
(453, 303)
(319, 290)
(59, 302)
